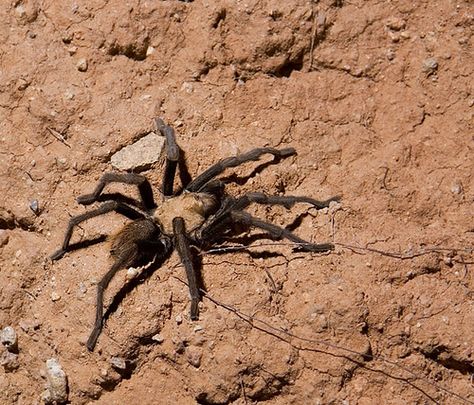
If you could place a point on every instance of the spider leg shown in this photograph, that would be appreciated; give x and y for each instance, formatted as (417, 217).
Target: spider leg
(217, 223)
(172, 156)
(276, 231)
(133, 244)
(143, 184)
(101, 286)
(184, 251)
(121, 208)
(199, 182)
(287, 201)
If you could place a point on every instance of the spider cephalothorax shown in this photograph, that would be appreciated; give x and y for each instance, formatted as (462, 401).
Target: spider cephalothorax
(197, 215)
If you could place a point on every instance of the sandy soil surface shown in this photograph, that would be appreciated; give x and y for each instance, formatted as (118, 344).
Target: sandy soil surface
(377, 98)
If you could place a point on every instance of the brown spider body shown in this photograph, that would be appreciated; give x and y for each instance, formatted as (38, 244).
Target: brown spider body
(194, 208)
(199, 214)
(123, 244)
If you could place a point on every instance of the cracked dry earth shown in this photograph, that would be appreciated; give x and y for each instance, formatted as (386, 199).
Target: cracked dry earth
(377, 98)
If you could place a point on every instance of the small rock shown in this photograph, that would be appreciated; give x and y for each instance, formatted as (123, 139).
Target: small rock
(26, 12)
(456, 188)
(140, 155)
(82, 65)
(405, 35)
(158, 338)
(82, 290)
(448, 261)
(194, 356)
(34, 206)
(69, 94)
(55, 296)
(9, 361)
(3, 237)
(187, 87)
(22, 84)
(150, 50)
(390, 54)
(198, 328)
(430, 66)
(57, 387)
(179, 319)
(67, 38)
(396, 24)
(394, 37)
(119, 363)
(29, 326)
(108, 378)
(9, 339)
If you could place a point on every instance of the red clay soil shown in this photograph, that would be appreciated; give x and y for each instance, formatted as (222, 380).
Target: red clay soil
(378, 100)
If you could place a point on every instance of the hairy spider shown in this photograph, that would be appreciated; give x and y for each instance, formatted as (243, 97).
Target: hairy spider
(197, 215)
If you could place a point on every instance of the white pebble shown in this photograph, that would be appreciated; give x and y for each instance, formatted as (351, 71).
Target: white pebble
(57, 389)
(158, 338)
(55, 296)
(118, 363)
(8, 338)
(82, 65)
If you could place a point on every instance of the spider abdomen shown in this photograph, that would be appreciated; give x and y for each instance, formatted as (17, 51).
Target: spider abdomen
(194, 208)
(125, 245)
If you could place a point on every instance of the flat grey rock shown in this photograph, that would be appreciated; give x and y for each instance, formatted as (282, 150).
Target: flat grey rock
(139, 155)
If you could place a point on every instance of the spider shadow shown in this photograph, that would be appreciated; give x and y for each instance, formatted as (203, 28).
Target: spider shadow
(86, 243)
(246, 241)
(184, 174)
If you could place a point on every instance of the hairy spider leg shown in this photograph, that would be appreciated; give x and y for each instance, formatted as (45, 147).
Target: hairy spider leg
(101, 286)
(287, 201)
(144, 187)
(279, 232)
(184, 251)
(199, 182)
(121, 208)
(214, 187)
(222, 218)
(172, 155)
(135, 242)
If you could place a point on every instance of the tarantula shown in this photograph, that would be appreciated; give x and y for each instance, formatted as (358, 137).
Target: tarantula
(198, 214)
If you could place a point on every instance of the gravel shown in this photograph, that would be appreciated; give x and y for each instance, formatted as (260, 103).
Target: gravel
(57, 385)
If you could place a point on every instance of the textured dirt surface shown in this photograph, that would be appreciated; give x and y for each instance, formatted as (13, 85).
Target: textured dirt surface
(378, 100)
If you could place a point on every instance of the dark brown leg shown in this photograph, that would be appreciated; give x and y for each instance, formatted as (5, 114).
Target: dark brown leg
(137, 241)
(184, 251)
(199, 182)
(287, 201)
(104, 282)
(222, 218)
(126, 210)
(144, 188)
(279, 232)
(172, 156)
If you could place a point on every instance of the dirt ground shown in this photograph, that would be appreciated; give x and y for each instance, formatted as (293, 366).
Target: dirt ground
(378, 100)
